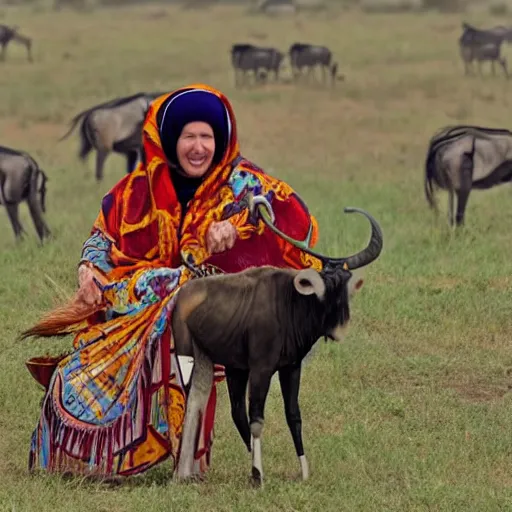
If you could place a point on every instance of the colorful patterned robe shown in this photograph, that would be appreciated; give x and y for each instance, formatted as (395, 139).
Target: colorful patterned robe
(116, 404)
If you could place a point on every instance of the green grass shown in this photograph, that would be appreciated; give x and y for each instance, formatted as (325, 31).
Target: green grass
(412, 411)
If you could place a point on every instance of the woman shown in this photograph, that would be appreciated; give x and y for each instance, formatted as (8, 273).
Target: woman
(115, 405)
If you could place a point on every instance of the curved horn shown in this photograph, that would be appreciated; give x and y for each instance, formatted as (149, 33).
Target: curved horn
(362, 258)
(372, 251)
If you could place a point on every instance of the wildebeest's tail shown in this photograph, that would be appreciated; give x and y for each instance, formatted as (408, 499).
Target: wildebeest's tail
(41, 180)
(36, 197)
(2, 185)
(85, 144)
(37, 182)
(430, 176)
(62, 320)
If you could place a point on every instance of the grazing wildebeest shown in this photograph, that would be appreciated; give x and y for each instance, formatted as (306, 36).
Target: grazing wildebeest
(21, 179)
(255, 323)
(308, 56)
(113, 126)
(247, 57)
(462, 157)
(8, 34)
(483, 45)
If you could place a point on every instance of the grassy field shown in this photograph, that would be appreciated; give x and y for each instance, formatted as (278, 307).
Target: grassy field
(412, 412)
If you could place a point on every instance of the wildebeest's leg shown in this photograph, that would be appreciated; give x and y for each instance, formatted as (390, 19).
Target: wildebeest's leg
(37, 216)
(201, 385)
(131, 161)
(468, 67)
(28, 44)
(290, 383)
(462, 199)
(493, 67)
(451, 206)
(300, 76)
(466, 179)
(4, 48)
(101, 156)
(237, 386)
(12, 212)
(311, 73)
(259, 383)
(503, 64)
(295, 73)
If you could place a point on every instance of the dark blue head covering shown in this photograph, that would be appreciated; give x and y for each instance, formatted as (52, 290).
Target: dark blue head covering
(186, 107)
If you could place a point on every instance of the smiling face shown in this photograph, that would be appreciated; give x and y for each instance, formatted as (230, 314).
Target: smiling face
(195, 148)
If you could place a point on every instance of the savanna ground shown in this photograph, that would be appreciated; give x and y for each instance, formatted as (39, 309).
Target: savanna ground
(412, 411)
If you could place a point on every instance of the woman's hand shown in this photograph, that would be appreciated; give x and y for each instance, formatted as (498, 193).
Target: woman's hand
(88, 291)
(221, 236)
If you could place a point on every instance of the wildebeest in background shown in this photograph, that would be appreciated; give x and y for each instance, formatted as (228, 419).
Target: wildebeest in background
(460, 158)
(21, 179)
(308, 56)
(483, 45)
(277, 7)
(255, 323)
(8, 34)
(113, 126)
(248, 57)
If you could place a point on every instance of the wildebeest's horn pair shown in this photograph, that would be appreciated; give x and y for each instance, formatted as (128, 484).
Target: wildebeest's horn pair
(361, 259)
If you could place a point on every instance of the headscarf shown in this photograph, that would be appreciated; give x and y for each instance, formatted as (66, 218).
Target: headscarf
(186, 107)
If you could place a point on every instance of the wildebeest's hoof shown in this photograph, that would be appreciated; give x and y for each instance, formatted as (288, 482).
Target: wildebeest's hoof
(256, 477)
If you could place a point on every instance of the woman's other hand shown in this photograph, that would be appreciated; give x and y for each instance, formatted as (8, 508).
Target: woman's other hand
(221, 236)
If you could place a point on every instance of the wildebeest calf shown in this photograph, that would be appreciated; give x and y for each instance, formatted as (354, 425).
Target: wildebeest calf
(255, 323)
(21, 179)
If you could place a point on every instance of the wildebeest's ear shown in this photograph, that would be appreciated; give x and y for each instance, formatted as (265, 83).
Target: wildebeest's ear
(355, 282)
(309, 281)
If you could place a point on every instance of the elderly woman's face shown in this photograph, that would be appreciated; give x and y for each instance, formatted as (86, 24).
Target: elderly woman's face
(195, 148)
